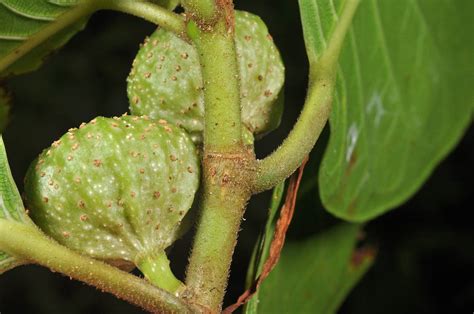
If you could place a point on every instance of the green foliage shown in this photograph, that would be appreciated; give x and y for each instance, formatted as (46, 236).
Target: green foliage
(11, 206)
(166, 80)
(115, 189)
(262, 248)
(403, 98)
(23, 24)
(315, 275)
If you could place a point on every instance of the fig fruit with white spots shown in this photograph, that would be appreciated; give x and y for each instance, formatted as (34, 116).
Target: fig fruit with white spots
(117, 189)
(166, 82)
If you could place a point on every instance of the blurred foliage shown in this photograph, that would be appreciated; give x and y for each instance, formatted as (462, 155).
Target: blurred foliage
(425, 262)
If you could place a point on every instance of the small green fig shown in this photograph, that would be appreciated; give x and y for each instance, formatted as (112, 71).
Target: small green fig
(166, 82)
(117, 189)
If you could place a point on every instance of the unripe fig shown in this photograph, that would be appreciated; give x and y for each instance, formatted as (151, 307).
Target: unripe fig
(166, 82)
(117, 189)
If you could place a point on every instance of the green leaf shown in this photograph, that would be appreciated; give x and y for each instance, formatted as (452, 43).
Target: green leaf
(403, 98)
(315, 275)
(11, 206)
(262, 249)
(4, 108)
(32, 29)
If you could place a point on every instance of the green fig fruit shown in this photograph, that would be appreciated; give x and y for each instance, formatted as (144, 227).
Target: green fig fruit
(166, 82)
(117, 189)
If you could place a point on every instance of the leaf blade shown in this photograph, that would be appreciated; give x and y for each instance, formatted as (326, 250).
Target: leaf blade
(262, 248)
(11, 205)
(400, 101)
(314, 276)
(30, 30)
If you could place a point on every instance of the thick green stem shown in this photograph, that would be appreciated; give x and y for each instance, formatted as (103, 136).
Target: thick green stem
(206, 9)
(27, 243)
(225, 194)
(302, 138)
(218, 58)
(228, 168)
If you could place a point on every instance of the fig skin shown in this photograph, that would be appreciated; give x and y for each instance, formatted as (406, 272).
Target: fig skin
(115, 189)
(166, 81)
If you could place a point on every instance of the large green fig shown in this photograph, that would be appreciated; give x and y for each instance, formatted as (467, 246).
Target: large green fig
(117, 189)
(166, 81)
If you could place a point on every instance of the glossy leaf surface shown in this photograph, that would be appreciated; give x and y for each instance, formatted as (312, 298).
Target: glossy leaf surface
(403, 98)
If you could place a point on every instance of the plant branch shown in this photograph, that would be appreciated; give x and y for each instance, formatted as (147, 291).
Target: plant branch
(322, 79)
(218, 59)
(228, 167)
(148, 11)
(205, 9)
(224, 197)
(26, 242)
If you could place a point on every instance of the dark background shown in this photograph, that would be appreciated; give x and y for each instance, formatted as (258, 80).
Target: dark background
(426, 252)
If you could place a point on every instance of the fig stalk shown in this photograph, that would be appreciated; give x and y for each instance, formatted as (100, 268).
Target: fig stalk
(156, 268)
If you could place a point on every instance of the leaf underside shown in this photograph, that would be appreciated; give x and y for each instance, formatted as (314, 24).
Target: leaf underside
(11, 206)
(21, 22)
(403, 98)
(315, 275)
